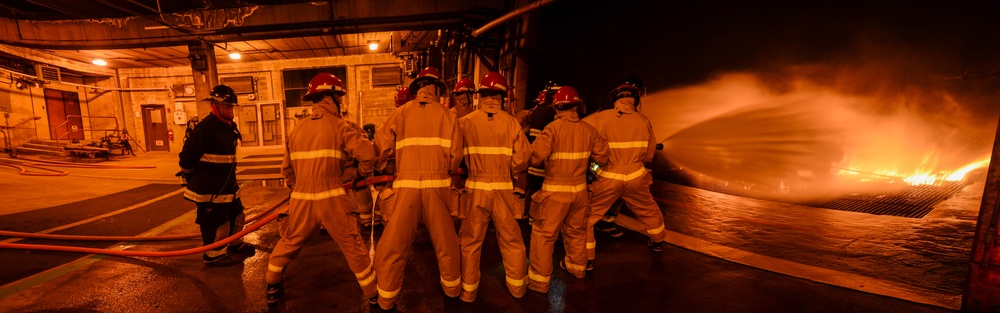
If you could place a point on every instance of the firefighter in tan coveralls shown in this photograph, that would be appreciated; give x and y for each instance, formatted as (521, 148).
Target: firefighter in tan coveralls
(566, 146)
(385, 192)
(314, 159)
(424, 137)
(462, 97)
(461, 105)
(630, 137)
(495, 151)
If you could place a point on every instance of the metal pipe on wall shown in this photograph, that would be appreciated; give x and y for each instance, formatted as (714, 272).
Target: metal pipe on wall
(519, 11)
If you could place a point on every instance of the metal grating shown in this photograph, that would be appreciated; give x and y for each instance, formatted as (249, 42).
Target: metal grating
(907, 201)
(911, 201)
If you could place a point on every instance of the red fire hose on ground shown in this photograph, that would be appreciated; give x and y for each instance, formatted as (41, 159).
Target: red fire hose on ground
(273, 210)
(43, 165)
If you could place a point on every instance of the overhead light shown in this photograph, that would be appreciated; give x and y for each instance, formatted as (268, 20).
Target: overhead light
(235, 55)
(373, 45)
(99, 62)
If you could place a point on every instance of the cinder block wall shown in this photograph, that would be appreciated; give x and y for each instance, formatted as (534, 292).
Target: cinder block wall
(364, 103)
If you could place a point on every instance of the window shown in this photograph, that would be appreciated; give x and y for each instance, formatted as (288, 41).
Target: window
(297, 82)
(387, 76)
(240, 84)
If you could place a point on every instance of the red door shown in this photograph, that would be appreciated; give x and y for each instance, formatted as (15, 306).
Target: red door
(63, 108)
(154, 118)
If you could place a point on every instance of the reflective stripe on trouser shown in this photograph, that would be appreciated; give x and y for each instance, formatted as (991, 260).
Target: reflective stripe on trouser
(486, 205)
(305, 216)
(604, 192)
(413, 205)
(560, 212)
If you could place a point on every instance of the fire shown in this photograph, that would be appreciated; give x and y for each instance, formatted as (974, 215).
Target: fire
(922, 177)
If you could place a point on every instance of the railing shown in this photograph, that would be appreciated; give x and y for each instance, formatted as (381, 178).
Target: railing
(89, 122)
(6, 136)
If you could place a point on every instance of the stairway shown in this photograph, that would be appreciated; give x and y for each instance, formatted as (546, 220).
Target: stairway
(42, 147)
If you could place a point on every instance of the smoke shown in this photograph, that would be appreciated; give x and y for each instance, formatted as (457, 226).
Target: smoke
(815, 131)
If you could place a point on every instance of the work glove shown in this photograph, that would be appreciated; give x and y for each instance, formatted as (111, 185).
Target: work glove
(183, 175)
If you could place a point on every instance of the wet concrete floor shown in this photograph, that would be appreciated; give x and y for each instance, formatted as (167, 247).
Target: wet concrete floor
(728, 254)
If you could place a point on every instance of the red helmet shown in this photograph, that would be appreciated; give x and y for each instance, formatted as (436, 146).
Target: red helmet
(428, 75)
(493, 82)
(464, 86)
(566, 98)
(323, 83)
(541, 97)
(403, 96)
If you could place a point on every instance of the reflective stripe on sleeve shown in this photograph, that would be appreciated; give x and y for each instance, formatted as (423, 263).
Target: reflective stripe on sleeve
(569, 155)
(622, 177)
(536, 171)
(316, 154)
(489, 186)
(627, 144)
(536, 277)
(534, 132)
(218, 158)
(489, 150)
(591, 245)
(191, 195)
(564, 188)
(423, 141)
(411, 183)
(317, 195)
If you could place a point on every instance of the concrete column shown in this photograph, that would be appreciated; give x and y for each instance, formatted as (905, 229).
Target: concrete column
(982, 292)
(205, 72)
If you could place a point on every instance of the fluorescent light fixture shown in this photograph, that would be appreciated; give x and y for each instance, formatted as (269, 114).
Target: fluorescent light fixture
(99, 62)
(235, 55)
(373, 45)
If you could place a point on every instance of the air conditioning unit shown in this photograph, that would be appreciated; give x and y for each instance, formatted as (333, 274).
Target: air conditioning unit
(47, 73)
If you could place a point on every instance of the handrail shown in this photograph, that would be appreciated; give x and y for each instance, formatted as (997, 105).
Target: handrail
(89, 122)
(7, 143)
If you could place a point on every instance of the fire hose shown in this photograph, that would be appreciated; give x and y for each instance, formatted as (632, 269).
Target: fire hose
(39, 164)
(253, 227)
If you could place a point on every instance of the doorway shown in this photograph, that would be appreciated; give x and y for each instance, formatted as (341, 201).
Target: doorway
(261, 124)
(63, 108)
(154, 121)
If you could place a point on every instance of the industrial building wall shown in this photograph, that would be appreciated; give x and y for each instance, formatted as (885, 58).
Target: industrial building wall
(364, 102)
(23, 100)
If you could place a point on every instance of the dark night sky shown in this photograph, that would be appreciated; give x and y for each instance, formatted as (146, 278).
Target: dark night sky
(928, 71)
(593, 45)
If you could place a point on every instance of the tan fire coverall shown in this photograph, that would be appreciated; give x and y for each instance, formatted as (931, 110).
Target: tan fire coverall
(630, 137)
(427, 145)
(566, 146)
(362, 197)
(315, 154)
(495, 151)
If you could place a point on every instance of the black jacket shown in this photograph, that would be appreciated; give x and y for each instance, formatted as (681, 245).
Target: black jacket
(209, 158)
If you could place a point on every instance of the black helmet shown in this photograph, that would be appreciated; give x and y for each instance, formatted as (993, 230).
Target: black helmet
(222, 94)
(633, 85)
(369, 128)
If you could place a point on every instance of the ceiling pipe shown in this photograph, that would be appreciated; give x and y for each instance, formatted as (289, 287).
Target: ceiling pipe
(512, 14)
(164, 88)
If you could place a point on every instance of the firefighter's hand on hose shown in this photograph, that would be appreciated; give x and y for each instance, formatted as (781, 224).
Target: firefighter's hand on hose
(183, 175)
